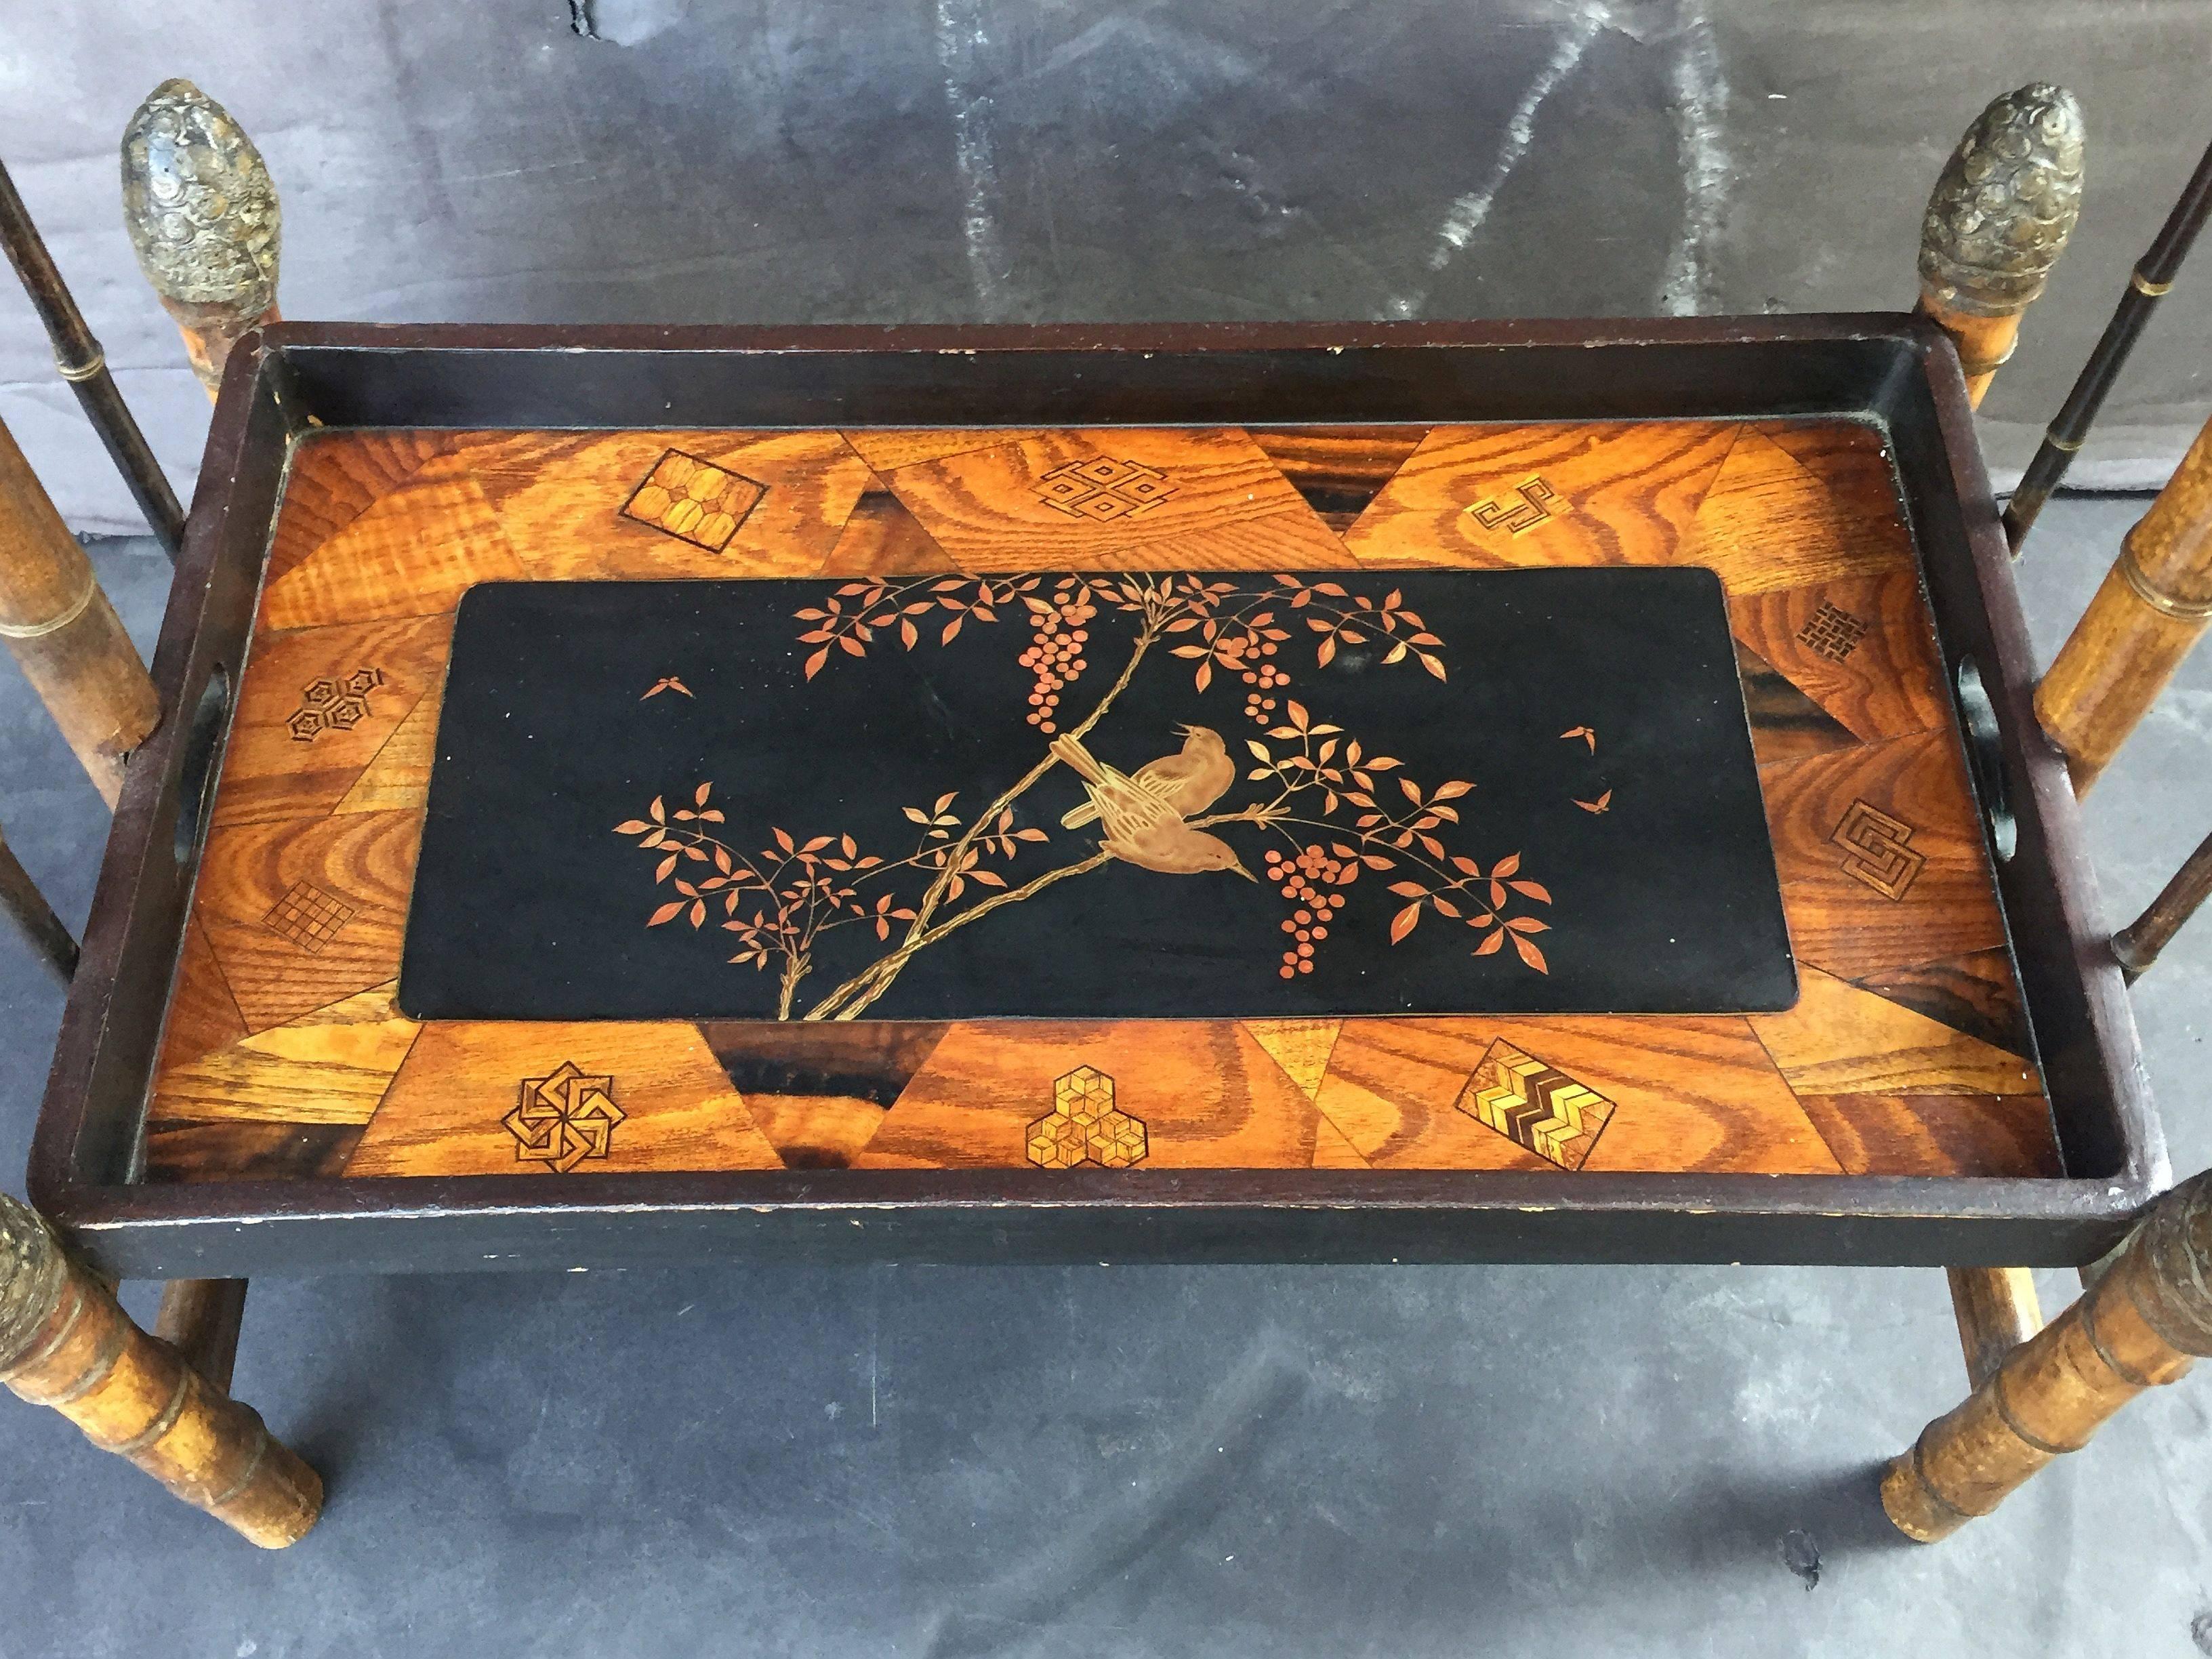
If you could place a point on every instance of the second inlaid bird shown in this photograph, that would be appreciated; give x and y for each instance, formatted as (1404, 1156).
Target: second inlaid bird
(1143, 815)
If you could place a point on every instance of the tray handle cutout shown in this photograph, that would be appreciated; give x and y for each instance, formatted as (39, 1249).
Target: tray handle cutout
(1978, 718)
(196, 778)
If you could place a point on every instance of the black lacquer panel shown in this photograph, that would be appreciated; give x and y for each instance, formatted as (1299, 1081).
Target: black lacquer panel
(1452, 792)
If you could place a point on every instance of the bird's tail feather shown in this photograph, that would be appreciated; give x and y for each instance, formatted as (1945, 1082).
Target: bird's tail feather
(1076, 818)
(1071, 752)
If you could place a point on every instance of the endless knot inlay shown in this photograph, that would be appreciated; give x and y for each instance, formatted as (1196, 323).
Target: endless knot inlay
(694, 500)
(564, 1118)
(308, 916)
(1832, 633)
(1084, 1127)
(1535, 1106)
(1517, 519)
(1878, 854)
(1103, 489)
(334, 705)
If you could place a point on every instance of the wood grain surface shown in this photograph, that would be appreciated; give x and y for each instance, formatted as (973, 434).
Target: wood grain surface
(1907, 1053)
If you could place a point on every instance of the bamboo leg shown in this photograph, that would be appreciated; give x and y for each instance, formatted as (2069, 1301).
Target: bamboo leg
(65, 1343)
(1998, 1310)
(201, 212)
(200, 1318)
(2151, 610)
(64, 632)
(1997, 223)
(2142, 1324)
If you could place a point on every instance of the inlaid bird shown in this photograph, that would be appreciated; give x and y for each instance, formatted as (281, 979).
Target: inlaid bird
(1190, 781)
(1141, 827)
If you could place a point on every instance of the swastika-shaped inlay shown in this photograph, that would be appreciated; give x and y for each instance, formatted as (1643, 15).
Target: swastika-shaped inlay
(1084, 1127)
(334, 705)
(1518, 517)
(1876, 850)
(1832, 633)
(1535, 1105)
(694, 500)
(308, 916)
(1103, 489)
(563, 1118)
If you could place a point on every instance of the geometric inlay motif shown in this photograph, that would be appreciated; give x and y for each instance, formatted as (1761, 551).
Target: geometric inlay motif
(308, 916)
(694, 500)
(564, 1118)
(1519, 517)
(1534, 1106)
(1083, 1125)
(1878, 855)
(1103, 489)
(330, 705)
(1832, 633)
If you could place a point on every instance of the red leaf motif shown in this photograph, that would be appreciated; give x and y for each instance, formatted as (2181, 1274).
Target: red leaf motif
(1530, 954)
(665, 913)
(1491, 943)
(1403, 923)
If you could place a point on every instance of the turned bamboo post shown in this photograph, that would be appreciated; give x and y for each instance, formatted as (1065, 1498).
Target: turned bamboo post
(200, 1319)
(2147, 284)
(2151, 609)
(63, 632)
(34, 918)
(1996, 1310)
(1997, 223)
(80, 361)
(2137, 945)
(64, 1342)
(201, 213)
(1997, 220)
(2142, 1324)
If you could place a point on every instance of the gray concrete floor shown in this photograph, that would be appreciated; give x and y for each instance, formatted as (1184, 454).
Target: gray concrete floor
(1131, 1460)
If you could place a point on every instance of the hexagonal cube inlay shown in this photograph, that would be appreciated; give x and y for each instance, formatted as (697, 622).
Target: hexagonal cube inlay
(1084, 1127)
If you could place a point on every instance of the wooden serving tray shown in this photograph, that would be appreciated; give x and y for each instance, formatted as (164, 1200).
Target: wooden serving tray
(239, 1089)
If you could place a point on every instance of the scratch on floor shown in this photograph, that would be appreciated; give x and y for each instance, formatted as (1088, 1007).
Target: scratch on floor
(1700, 107)
(961, 39)
(1467, 214)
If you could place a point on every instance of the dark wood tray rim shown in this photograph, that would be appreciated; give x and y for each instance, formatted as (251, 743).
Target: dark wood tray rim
(1898, 370)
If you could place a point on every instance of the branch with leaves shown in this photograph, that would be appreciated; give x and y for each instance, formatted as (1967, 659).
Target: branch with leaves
(1322, 799)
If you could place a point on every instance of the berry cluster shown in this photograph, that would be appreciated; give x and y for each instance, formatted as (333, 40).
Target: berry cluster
(1055, 654)
(1301, 880)
(1260, 710)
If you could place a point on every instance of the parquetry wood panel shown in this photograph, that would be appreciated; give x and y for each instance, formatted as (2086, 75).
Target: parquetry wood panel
(1906, 1053)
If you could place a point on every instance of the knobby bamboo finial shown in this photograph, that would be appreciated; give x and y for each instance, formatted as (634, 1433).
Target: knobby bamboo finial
(65, 1342)
(201, 213)
(1997, 220)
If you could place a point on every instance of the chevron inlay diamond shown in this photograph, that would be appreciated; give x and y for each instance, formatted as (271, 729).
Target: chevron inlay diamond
(1535, 1105)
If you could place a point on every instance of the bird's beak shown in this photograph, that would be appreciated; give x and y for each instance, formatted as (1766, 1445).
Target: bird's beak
(1240, 869)
(1180, 730)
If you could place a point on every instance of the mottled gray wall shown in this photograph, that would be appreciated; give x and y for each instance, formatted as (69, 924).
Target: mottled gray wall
(896, 160)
